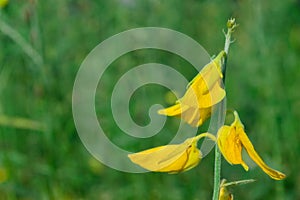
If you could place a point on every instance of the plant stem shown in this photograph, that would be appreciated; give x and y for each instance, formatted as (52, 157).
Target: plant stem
(231, 25)
(22, 123)
(217, 173)
(18, 39)
(217, 166)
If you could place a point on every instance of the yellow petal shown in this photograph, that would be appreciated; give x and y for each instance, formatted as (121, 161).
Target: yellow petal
(196, 117)
(216, 94)
(224, 194)
(231, 140)
(173, 110)
(207, 82)
(202, 93)
(191, 115)
(230, 146)
(199, 96)
(210, 73)
(189, 159)
(156, 159)
(256, 158)
(170, 158)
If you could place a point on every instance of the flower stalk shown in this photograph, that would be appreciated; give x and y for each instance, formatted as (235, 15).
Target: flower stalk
(231, 25)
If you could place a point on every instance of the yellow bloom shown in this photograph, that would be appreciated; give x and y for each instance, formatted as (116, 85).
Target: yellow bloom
(224, 193)
(202, 93)
(171, 158)
(231, 140)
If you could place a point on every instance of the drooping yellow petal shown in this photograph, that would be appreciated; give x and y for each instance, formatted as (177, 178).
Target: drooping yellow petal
(172, 158)
(277, 175)
(202, 93)
(231, 140)
(231, 146)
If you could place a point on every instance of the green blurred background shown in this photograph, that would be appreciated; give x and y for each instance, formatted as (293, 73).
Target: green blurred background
(41, 155)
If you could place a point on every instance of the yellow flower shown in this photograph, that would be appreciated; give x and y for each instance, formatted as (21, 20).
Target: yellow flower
(202, 93)
(231, 140)
(224, 193)
(171, 158)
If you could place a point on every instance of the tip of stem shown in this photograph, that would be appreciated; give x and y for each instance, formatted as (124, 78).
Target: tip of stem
(231, 24)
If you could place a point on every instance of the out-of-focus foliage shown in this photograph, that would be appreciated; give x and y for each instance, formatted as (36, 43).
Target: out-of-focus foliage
(262, 83)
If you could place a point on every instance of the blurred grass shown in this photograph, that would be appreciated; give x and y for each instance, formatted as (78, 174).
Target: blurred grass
(262, 83)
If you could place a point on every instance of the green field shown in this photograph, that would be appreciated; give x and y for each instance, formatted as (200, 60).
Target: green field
(42, 45)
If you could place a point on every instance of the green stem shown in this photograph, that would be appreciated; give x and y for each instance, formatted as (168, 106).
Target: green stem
(23, 123)
(217, 166)
(217, 173)
(231, 25)
(6, 29)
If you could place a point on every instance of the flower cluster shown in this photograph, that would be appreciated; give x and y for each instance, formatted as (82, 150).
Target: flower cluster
(202, 93)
